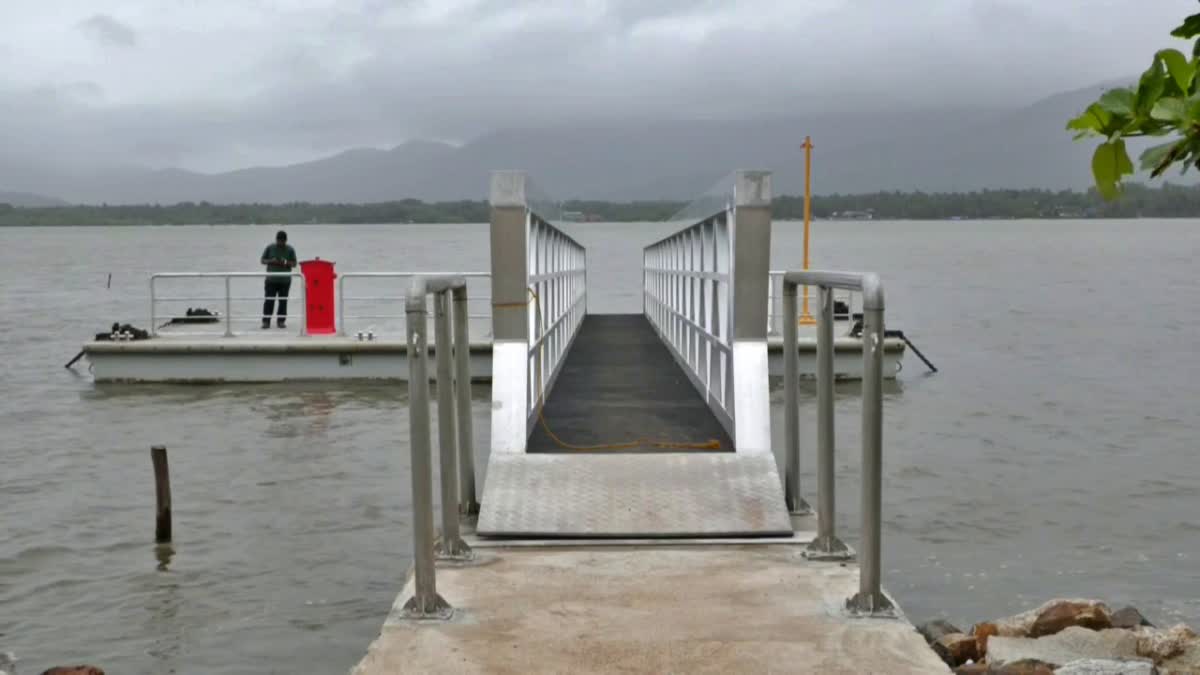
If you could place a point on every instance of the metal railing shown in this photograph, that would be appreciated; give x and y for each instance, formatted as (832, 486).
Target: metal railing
(558, 281)
(687, 296)
(539, 300)
(376, 315)
(870, 598)
(703, 292)
(455, 434)
(775, 302)
(228, 299)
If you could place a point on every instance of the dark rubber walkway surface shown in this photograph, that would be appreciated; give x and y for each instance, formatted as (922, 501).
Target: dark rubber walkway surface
(620, 384)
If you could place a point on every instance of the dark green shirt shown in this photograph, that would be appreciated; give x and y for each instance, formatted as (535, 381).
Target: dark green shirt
(279, 252)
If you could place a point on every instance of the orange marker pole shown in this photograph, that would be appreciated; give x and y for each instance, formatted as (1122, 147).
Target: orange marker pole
(805, 317)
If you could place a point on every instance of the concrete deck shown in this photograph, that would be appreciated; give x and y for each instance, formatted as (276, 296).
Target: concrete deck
(697, 609)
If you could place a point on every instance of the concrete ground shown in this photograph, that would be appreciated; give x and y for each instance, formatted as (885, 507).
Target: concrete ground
(749, 608)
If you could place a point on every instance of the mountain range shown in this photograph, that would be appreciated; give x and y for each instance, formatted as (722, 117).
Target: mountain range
(29, 200)
(959, 148)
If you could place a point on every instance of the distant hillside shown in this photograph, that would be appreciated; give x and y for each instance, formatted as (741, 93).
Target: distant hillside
(943, 150)
(28, 200)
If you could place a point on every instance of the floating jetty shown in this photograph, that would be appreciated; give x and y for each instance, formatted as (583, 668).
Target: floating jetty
(348, 326)
(633, 517)
(250, 358)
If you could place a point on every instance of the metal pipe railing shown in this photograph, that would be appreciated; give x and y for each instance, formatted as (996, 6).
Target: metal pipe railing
(776, 312)
(451, 545)
(228, 296)
(343, 299)
(870, 598)
(468, 502)
(791, 411)
(426, 603)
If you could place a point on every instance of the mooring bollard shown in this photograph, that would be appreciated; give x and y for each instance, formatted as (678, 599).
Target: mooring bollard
(162, 494)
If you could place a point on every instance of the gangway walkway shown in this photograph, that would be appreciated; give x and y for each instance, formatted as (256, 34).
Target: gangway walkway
(623, 433)
(619, 387)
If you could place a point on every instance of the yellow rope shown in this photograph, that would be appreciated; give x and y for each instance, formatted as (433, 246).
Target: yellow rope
(711, 444)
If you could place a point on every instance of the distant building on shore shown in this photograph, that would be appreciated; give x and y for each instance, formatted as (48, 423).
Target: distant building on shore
(869, 214)
(581, 217)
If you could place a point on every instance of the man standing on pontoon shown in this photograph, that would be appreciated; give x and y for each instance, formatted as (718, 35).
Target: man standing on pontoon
(278, 257)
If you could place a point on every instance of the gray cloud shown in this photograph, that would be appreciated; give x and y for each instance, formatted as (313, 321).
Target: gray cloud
(108, 31)
(229, 83)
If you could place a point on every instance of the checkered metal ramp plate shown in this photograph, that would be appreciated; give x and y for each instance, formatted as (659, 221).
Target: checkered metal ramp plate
(633, 495)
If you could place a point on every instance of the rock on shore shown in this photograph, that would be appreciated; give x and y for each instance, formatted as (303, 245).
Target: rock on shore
(1067, 637)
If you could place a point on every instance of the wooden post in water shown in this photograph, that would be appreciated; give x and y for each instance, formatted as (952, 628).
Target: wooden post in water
(162, 494)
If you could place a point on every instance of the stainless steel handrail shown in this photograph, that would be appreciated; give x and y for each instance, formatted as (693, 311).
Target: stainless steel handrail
(687, 296)
(870, 598)
(342, 298)
(454, 434)
(775, 300)
(556, 267)
(228, 296)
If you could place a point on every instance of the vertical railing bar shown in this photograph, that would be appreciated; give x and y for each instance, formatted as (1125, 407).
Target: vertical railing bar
(228, 308)
(451, 546)
(826, 546)
(791, 403)
(153, 320)
(425, 603)
(870, 598)
(468, 502)
(341, 285)
(303, 305)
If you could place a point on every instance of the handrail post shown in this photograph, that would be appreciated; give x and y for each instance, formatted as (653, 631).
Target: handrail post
(425, 603)
(791, 405)
(468, 504)
(826, 546)
(303, 305)
(341, 325)
(451, 546)
(870, 598)
(776, 314)
(228, 308)
(153, 321)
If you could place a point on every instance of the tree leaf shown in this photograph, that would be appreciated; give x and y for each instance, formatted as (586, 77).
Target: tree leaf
(1170, 110)
(1110, 162)
(1150, 88)
(1093, 120)
(1189, 29)
(1182, 70)
(1118, 101)
(1124, 164)
(1155, 159)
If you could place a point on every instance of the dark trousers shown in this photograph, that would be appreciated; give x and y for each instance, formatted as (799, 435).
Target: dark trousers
(276, 288)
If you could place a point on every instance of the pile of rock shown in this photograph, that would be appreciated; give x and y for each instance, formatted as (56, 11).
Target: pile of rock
(8, 666)
(1067, 637)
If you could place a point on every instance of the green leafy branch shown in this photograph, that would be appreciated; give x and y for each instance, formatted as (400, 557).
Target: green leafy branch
(1165, 102)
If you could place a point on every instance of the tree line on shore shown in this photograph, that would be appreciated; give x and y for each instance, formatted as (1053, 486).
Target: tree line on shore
(1168, 201)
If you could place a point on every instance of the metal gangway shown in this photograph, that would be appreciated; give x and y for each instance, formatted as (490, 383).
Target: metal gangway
(636, 427)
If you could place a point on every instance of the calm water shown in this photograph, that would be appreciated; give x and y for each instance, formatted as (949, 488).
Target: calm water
(1056, 453)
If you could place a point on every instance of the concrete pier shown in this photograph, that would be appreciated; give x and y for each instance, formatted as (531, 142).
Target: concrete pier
(655, 608)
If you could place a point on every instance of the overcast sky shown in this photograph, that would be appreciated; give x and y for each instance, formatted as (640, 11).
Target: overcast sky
(218, 84)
